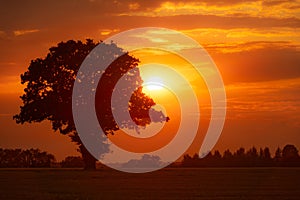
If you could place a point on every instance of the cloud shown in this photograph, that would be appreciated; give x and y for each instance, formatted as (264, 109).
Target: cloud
(225, 37)
(234, 35)
(278, 2)
(105, 32)
(242, 47)
(253, 8)
(195, 8)
(10, 85)
(268, 98)
(2, 35)
(133, 6)
(208, 21)
(24, 32)
(257, 61)
(129, 14)
(5, 115)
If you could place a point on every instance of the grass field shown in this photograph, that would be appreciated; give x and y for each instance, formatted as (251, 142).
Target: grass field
(210, 183)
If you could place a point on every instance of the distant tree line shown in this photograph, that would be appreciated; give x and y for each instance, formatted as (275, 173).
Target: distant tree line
(25, 158)
(286, 157)
(253, 157)
(35, 158)
(72, 162)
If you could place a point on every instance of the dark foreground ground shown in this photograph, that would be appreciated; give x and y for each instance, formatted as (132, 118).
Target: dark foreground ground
(211, 183)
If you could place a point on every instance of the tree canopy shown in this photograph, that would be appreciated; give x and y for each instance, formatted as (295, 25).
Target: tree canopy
(49, 83)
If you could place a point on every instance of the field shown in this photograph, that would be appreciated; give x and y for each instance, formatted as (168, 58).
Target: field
(209, 183)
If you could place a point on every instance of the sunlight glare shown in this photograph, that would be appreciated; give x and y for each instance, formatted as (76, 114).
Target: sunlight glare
(153, 86)
(153, 83)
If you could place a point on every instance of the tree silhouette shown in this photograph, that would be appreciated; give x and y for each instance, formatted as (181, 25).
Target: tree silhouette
(49, 83)
(266, 153)
(72, 161)
(227, 154)
(288, 157)
(139, 103)
(147, 161)
(25, 158)
(278, 154)
(290, 153)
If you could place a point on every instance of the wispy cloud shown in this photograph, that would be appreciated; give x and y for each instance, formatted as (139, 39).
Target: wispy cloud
(11, 85)
(254, 8)
(2, 34)
(106, 32)
(250, 100)
(134, 6)
(24, 32)
(5, 115)
(233, 35)
(245, 47)
(256, 61)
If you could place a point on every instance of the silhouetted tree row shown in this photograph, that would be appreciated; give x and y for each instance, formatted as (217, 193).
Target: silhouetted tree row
(72, 162)
(286, 157)
(25, 158)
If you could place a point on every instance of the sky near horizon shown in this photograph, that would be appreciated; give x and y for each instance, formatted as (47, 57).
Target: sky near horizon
(254, 43)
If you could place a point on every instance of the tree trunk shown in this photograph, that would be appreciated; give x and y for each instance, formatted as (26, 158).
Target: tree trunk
(88, 159)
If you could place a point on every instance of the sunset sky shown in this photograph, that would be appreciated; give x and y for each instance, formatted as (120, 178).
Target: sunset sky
(255, 44)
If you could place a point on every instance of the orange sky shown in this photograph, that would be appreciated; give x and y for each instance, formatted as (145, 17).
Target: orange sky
(255, 44)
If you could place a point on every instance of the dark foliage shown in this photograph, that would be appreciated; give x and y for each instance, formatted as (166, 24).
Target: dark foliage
(72, 162)
(49, 84)
(25, 158)
(288, 157)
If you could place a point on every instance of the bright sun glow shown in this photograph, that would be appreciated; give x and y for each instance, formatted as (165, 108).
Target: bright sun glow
(153, 83)
(153, 86)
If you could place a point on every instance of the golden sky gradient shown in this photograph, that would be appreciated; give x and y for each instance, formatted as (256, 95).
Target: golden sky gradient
(254, 43)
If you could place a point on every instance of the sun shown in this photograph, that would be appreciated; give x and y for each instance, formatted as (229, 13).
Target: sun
(153, 83)
(152, 87)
